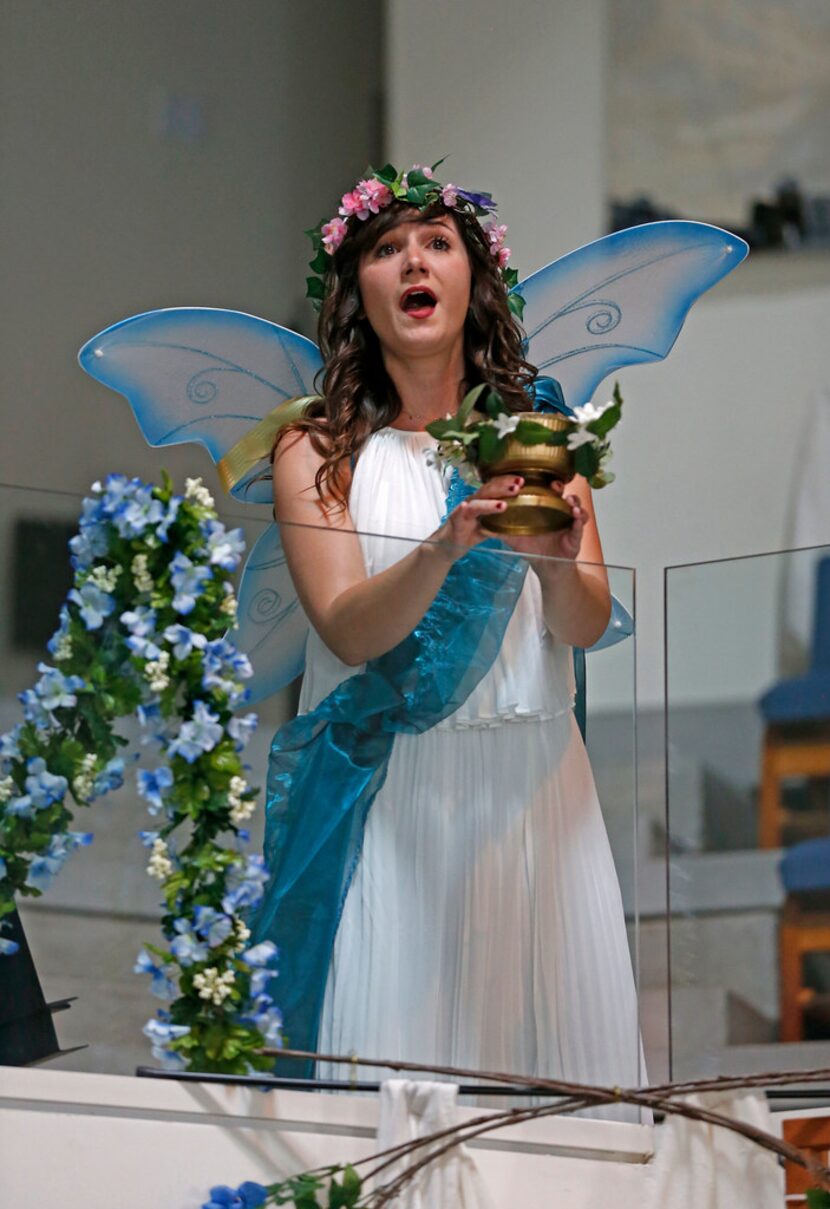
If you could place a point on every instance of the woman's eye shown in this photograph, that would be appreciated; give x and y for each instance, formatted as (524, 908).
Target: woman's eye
(441, 243)
(385, 249)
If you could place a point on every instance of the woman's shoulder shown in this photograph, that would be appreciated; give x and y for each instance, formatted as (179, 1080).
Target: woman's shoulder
(307, 484)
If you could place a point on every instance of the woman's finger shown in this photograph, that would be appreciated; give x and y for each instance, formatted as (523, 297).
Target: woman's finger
(499, 486)
(475, 505)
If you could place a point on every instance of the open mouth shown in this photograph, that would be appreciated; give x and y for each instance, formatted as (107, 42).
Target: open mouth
(418, 302)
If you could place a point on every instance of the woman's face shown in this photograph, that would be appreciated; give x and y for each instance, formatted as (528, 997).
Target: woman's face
(415, 287)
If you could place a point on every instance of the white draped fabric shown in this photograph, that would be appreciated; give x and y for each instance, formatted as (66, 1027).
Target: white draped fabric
(484, 925)
(703, 1166)
(409, 1111)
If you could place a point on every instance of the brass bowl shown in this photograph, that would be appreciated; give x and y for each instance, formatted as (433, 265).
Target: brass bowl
(537, 508)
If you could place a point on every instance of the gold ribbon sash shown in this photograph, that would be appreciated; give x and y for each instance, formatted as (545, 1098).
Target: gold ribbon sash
(259, 441)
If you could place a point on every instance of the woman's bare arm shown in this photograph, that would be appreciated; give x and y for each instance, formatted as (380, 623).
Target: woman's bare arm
(357, 616)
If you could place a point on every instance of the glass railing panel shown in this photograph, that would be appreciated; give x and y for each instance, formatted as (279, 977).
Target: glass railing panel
(87, 930)
(744, 676)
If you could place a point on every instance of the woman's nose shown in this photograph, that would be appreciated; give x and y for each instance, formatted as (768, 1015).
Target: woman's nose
(413, 262)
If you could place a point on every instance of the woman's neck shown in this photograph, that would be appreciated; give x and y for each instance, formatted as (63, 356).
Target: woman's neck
(427, 388)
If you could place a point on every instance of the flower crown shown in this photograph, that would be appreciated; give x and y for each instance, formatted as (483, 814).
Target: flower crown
(417, 187)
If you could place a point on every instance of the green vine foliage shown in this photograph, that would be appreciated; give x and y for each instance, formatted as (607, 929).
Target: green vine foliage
(478, 433)
(143, 632)
(309, 1190)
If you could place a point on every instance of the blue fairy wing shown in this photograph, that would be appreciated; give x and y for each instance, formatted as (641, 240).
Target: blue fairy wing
(207, 376)
(267, 604)
(621, 300)
(203, 375)
(620, 626)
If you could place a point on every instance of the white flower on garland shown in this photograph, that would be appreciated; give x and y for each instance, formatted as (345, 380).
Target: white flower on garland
(589, 412)
(195, 490)
(83, 783)
(159, 866)
(230, 604)
(241, 809)
(143, 579)
(214, 986)
(243, 935)
(104, 578)
(581, 436)
(505, 424)
(156, 672)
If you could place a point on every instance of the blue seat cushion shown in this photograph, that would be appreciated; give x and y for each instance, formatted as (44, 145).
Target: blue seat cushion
(804, 699)
(806, 867)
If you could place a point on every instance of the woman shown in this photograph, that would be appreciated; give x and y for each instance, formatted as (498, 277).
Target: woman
(481, 918)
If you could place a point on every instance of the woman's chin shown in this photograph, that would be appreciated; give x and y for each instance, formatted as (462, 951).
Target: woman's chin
(422, 337)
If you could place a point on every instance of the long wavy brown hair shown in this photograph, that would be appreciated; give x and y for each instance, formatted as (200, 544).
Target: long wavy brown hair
(358, 396)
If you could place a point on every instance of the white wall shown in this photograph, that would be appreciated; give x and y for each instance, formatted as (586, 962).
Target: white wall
(704, 457)
(143, 1142)
(706, 461)
(514, 95)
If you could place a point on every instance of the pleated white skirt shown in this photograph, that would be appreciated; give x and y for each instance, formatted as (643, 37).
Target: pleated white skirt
(484, 925)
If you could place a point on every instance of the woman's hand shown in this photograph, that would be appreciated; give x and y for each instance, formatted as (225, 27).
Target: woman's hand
(562, 543)
(575, 598)
(462, 529)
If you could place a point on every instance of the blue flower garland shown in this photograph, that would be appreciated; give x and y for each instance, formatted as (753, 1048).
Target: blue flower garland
(145, 559)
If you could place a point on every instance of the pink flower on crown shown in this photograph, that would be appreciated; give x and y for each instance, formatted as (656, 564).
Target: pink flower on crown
(353, 203)
(504, 258)
(422, 168)
(495, 233)
(449, 196)
(375, 194)
(333, 233)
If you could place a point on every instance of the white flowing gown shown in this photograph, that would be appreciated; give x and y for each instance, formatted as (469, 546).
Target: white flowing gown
(484, 925)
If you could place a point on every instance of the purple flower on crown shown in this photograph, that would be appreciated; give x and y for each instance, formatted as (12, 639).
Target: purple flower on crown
(483, 200)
